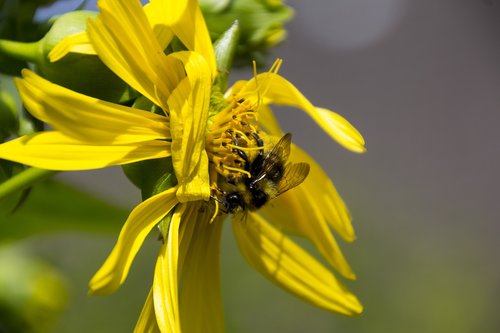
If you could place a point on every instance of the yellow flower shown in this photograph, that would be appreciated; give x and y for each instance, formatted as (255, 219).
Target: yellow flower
(195, 131)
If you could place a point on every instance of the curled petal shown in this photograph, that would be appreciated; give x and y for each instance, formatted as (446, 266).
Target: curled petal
(184, 19)
(282, 261)
(88, 119)
(138, 225)
(55, 151)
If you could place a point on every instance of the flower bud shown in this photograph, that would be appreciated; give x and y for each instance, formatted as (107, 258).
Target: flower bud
(83, 73)
(260, 22)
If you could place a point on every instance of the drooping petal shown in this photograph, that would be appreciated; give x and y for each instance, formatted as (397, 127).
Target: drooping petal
(166, 284)
(297, 210)
(319, 185)
(88, 119)
(147, 320)
(55, 151)
(280, 91)
(126, 43)
(282, 261)
(201, 302)
(188, 106)
(138, 225)
(77, 43)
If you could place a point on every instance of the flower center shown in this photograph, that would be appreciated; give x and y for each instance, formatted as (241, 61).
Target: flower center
(233, 141)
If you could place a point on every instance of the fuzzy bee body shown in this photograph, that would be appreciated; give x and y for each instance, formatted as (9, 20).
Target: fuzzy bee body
(270, 176)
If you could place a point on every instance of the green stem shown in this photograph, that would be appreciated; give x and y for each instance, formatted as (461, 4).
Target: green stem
(23, 51)
(23, 180)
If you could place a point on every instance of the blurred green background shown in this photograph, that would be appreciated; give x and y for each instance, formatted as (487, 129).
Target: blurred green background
(421, 81)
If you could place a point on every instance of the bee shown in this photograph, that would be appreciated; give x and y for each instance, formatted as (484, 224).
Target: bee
(270, 176)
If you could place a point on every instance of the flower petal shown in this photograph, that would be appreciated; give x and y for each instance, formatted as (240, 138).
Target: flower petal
(166, 284)
(159, 21)
(88, 119)
(278, 90)
(147, 320)
(289, 266)
(188, 106)
(201, 291)
(319, 185)
(138, 225)
(185, 19)
(126, 43)
(55, 151)
(269, 122)
(76, 43)
(297, 210)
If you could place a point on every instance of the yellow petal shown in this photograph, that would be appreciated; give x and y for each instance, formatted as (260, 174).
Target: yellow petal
(201, 291)
(138, 225)
(185, 19)
(88, 119)
(188, 106)
(126, 43)
(319, 185)
(269, 122)
(147, 320)
(297, 210)
(192, 31)
(162, 15)
(166, 284)
(55, 151)
(280, 91)
(289, 266)
(76, 43)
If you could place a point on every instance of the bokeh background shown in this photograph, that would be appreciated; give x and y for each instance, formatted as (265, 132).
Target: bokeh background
(421, 80)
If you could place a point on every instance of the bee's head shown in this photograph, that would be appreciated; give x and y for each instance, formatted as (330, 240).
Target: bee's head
(233, 201)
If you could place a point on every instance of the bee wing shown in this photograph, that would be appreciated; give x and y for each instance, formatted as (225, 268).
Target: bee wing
(274, 161)
(282, 148)
(295, 173)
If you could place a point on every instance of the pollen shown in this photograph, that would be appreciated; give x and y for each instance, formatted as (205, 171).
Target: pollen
(232, 140)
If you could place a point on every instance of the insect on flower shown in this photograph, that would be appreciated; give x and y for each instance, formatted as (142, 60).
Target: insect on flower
(267, 176)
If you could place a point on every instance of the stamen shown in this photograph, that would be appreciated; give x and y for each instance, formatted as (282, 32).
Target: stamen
(237, 170)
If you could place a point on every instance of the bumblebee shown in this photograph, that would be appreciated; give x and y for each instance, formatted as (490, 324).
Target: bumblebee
(268, 176)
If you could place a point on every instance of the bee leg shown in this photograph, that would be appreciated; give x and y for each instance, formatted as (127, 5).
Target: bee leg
(219, 203)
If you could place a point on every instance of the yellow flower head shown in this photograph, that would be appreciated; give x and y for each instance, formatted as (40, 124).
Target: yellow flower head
(228, 153)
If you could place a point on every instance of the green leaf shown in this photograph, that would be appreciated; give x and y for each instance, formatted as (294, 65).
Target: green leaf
(55, 207)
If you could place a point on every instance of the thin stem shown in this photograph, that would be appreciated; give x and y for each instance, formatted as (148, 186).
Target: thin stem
(19, 50)
(23, 180)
